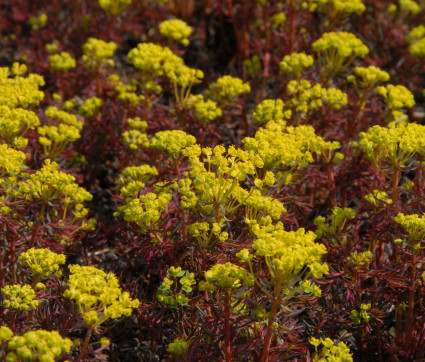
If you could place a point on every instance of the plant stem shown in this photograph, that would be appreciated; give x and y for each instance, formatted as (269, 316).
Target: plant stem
(331, 179)
(227, 342)
(83, 350)
(411, 306)
(395, 188)
(269, 333)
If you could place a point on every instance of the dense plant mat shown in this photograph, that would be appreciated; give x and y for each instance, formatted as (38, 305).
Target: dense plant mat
(212, 180)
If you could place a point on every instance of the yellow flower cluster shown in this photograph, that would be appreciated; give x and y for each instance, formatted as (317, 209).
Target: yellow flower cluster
(20, 91)
(216, 177)
(205, 235)
(334, 7)
(205, 110)
(150, 58)
(257, 205)
(179, 73)
(39, 345)
(226, 88)
(49, 184)
(312, 5)
(14, 122)
(62, 62)
(171, 141)
(38, 22)
(397, 96)
(133, 179)
(11, 161)
(416, 39)
(55, 138)
(98, 52)
(378, 197)
(410, 6)
(145, 210)
(331, 351)
(415, 227)
(368, 76)
(69, 104)
(418, 48)
(114, 7)
(345, 44)
(396, 143)
(5, 334)
(417, 33)
(136, 137)
(339, 49)
(43, 263)
(166, 296)
(288, 252)
(307, 97)
(277, 20)
(52, 48)
(176, 30)
(98, 295)
(310, 288)
(270, 110)
(137, 123)
(348, 6)
(155, 60)
(295, 63)
(90, 107)
(188, 199)
(19, 297)
(226, 276)
(127, 92)
(288, 146)
(178, 346)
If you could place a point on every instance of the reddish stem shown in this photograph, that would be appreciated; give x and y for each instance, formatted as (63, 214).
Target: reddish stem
(331, 179)
(83, 350)
(269, 333)
(395, 189)
(410, 323)
(227, 342)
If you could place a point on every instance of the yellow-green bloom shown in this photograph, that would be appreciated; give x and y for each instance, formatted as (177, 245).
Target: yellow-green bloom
(177, 30)
(98, 295)
(20, 91)
(228, 276)
(42, 262)
(172, 141)
(19, 297)
(114, 7)
(39, 345)
(178, 346)
(38, 22)
(62, 62)
(295, 63)
(227, 87)
(98, 52)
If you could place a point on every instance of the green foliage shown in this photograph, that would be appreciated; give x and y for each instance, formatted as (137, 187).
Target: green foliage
(174, 289)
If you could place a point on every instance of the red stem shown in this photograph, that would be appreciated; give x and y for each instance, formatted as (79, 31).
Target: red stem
(395, 189)
(269, 333)
(331, 179)
(292, 28)
(83, 350)
(411, 306)
(227, 344)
